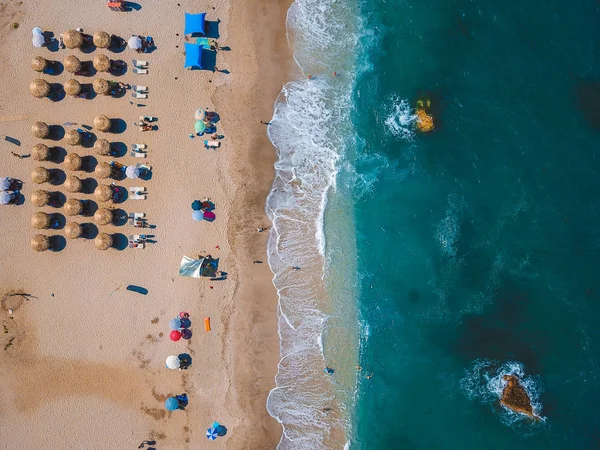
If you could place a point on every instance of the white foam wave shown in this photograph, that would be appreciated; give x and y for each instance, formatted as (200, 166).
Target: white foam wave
(400, 120)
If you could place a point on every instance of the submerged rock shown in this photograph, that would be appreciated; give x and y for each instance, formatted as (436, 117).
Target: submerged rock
(424, 120)
(515, 397)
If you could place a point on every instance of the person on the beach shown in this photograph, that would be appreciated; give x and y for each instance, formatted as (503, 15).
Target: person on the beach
(296, 268)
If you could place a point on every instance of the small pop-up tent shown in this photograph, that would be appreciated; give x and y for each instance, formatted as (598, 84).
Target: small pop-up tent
(193, 56)
(196, 268)
(194, 23)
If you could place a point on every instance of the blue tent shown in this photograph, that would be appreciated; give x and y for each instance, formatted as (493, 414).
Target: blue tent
(194, 23)
(193, 56)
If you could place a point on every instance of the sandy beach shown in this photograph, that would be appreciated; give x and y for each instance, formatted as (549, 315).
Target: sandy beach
(82, 358)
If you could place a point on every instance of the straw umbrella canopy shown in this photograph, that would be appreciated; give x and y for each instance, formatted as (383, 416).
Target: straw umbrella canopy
(72, 39)
(39, 64)
(102, 147)
(73, 137)
(40, 243)
(73, 230)
(73, 207)
(103, 241)
(72, 64)
(103, 170)
(102, 123)
(40, 220)
(40, 130)
(103, 216)
(101, 86)
(39, 88)
(72, 184)
(72, 87)
(101, 63)
(40, 175)
(102, 39)
(103, 192)
(72, 161)
(40, 198)
(40, 152)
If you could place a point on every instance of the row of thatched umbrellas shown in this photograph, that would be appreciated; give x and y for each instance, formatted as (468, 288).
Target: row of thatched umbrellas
(41, 242)
(72, 63)
(41, 130)
(41, 220)
(74, 39)
(41, 175)
(41, 88)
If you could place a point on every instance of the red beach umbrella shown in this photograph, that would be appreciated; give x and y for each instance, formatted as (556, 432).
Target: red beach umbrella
(175, 335)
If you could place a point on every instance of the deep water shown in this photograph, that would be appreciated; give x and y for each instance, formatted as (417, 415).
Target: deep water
(478, 244)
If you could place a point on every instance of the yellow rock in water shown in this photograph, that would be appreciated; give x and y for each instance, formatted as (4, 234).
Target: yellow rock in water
(424, 121)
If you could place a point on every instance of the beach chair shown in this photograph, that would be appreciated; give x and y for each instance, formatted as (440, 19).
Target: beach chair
(137, 197)
(147, 118)
(138, 95)
(137, 215)
(138, 223)
(138, 154)
(139, 64)
(133, 244)
(140, 71)
(144, 167)
(138, 190)
(141, 89)
(138, 146)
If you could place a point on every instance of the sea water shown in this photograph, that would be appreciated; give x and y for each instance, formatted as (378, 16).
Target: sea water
(432, 265)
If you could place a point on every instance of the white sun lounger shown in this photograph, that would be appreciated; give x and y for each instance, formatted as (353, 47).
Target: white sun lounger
(147, 118)
(135, 189)
(138, 146)
(137, 215)
(138, 95)
(137, 197)
(144, 166)
(136, 245)
(139, 64)
(138, 154)
(140, 71)
(139, 89)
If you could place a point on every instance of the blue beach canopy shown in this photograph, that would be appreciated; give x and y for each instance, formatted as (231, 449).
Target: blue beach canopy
(193, 56)
(194, 23)
(196, 205)
(175, 323)
(171, 404)
(211, 433)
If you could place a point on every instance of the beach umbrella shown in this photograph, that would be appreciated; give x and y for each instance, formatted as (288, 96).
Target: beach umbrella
(72, 184)
(73, 230)
(72, 39)
(101, 63)
(40, 152)
(185, 322)
(39, 64)
(211, 433)
(72, 64)
(39, 88)
(199, 126)
(102, 147)
(38, 37)
(173, 362)
(102, 123)
(73, 207)
(196, 205)
(103, 241)
(101, 86)
(186, 333)
(103, 216)
(199, 114)
(171, 404)
(198, 215)
(102, 39)
(40, 243)
(103, 170)
(103, 193)
(134, 42)
(40, 198)
(209, 215)
(175, 323)
(175, 335)
(40, 220)
(40, 130)
(132, 172)
(5, 198)
(40, 175)
(73, 137)
(5, 183)
(72, 161)
(72, 87)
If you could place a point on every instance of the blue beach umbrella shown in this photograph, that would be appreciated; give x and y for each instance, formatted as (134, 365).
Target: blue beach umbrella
(196, 205)
(199, 126)
(211, 433)
(175, 323)
(186, 323)
(171, 404)
(198, 215)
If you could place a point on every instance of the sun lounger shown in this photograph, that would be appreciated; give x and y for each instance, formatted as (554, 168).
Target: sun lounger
(136, 244)
(138, 154)
(137, 197)
(138, 146)
(139, 64)
(137, 237)
(138, 223)
(147, 118)
(139, 89)
(138, 95)
(137, 215)
(144, 167)
(137, 190)
(140, 71)
(212, 144)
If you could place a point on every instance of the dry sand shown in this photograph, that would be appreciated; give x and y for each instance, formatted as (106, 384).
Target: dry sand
(84, 360)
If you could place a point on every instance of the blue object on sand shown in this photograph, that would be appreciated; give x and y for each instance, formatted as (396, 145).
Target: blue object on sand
(196, 205)
(138, 289)
(193, 56)
(185, 323)
(171, 404)
(175, 323)
(194, 23)
(198, 215)
(211, 433)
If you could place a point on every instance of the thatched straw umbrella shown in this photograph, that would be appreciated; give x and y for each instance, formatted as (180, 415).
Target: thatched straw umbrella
(103, 241)
(72, 87)
(101, 63)
(73, 230)
(40, 243)
(73, 207)
(103, 170)
(40, 152)
(40, 220)
(72, 184)
(39, 64)
(40, 175)
(101, 86)
(72, 39)
(40, 130)
(40, 88)
(103, 216)
(103, 192)
(72, 161)
(72, 64)
(102, 39)
(73, 137)
(102, 123)
(102, 147)
(40, 198)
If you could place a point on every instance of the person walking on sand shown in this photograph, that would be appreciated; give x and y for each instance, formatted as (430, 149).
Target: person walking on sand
(265, 123)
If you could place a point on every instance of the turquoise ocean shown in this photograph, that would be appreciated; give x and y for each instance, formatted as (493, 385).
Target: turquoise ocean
(434, 264)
